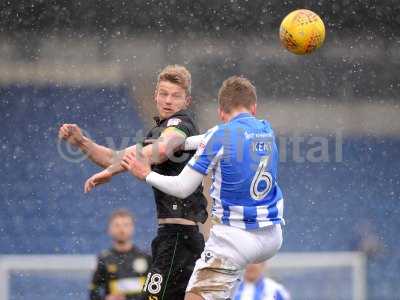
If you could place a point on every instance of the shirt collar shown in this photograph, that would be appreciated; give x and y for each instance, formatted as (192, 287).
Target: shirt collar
(242, 115)
(157, 120)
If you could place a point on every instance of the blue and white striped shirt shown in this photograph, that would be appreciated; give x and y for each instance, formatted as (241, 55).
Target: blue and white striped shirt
(263, 289)
(243, 157)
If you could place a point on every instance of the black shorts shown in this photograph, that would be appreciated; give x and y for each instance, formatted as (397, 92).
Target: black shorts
(175, 251)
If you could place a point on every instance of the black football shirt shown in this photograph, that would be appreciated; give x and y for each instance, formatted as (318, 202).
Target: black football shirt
(193, 207)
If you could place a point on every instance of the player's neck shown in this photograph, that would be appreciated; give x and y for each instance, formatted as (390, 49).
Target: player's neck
(253, 280)
(123, 247)
(234, 113)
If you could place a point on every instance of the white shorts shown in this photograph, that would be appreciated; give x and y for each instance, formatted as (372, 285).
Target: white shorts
(226, 254)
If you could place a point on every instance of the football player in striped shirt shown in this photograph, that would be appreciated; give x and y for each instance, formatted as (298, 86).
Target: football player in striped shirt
(247, 208)
(255, 286)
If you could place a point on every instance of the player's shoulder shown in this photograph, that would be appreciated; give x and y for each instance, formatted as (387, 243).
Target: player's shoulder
(182, 116)
(104, 254)
(214, 129)
(213, 135)
(263, 126)
(184, 121)
(265, 123)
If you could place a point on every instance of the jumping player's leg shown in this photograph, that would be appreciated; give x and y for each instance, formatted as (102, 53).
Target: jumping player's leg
(175, 251)
(226, 254)
(191, 296)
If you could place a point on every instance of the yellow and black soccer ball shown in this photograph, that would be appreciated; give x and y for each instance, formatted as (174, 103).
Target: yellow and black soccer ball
(302, 31)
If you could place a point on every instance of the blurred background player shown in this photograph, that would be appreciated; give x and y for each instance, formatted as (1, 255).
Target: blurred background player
(178, 243)
(248, 202)
(121, 271)
(255, 286)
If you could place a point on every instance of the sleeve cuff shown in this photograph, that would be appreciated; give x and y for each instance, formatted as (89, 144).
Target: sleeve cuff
(151, 177)
(176, 130)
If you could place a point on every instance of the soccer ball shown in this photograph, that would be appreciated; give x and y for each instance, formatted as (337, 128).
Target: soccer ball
(302, 31)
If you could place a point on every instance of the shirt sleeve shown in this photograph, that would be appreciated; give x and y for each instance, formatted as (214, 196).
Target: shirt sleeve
(181, 186)
(282, 294)
(209, 151)
(180, 124)
(97, 286)
(193, 142)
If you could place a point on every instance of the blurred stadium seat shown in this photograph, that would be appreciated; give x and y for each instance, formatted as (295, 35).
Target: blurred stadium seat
(43, 205)
(45, 211)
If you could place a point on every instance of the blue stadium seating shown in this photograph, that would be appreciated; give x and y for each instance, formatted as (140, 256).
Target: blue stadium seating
(43, 208)
(327, 202)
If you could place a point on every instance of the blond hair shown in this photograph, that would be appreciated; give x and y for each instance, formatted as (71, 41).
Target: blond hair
(178, 75)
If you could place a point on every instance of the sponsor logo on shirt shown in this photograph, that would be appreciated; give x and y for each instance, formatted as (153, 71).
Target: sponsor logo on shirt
(173, 122)
(140, 265)
(112, 268)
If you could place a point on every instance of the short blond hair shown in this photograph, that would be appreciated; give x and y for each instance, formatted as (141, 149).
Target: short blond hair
(178, 75)
(236, 91)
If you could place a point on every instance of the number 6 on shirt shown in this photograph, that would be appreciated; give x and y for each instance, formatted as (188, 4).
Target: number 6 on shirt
(262, 175)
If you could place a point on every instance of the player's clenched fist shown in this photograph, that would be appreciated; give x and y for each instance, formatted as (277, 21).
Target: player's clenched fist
(71, 133)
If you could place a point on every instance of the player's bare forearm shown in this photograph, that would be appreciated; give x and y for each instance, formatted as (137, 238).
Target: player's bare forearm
(160, 150)
(72, 134)
(155, 153)
(98, 154)
(164, 147)
(114, 167)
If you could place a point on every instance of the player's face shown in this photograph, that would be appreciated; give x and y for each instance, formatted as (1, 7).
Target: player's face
(253, 272)
(121, 229)
(170, 98)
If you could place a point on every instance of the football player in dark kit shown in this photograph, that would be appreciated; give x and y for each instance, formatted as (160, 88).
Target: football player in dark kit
(178, 243)
(121, 271)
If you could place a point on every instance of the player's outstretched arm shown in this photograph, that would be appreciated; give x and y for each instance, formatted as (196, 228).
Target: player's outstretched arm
(192, 142)
(155, 153)
(192, 175)
(106, 175)
(180, 186)
(100, 155)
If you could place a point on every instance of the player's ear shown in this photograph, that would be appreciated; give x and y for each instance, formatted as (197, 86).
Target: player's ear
(188, 100)
(253, 109)
(221, 114)
(155, 94)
